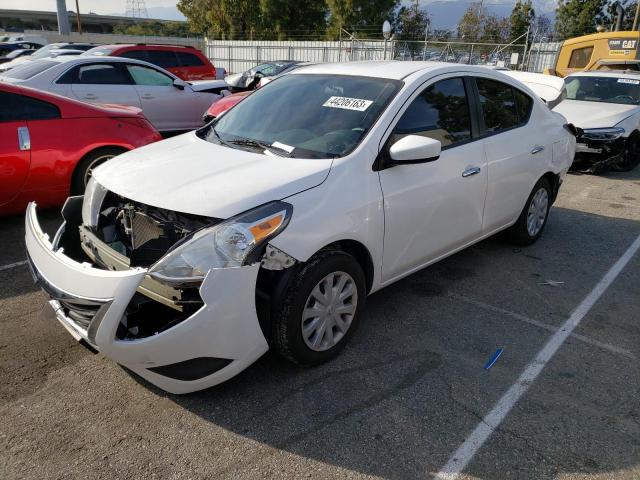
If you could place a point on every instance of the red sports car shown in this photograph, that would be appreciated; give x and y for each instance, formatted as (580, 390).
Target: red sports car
(49, 144)
(222, 105)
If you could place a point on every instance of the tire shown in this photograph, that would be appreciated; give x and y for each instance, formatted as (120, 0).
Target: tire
(82, 173)
(298, 298)
(522, 233)
(631, 156)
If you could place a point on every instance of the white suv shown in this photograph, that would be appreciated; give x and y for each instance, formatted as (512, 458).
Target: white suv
(188, 259)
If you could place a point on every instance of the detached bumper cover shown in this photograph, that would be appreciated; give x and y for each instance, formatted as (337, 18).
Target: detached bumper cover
(214, 344)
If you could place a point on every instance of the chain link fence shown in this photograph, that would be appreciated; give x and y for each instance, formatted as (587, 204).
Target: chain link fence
(240, 55)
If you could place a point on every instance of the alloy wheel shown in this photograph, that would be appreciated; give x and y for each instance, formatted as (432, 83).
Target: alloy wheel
(537, 214)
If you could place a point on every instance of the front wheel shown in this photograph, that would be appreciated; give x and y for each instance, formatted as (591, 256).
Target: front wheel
(533, 217)
(630, 157)
(319, 309)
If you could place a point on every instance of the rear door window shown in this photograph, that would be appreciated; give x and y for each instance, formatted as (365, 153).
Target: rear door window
(498, 105)
(102, 74)
(135, 54)
(189, 59)
(163, 58)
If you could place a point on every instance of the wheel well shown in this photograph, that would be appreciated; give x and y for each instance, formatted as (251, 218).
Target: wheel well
(554, 181)
(271, 284)
(90, 152)
(358, 251)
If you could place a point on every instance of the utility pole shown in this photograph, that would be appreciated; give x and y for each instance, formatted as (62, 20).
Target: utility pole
(63, 17)
(78, 18)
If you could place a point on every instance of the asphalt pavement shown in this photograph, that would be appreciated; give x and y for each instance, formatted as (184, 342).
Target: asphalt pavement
(397, 403)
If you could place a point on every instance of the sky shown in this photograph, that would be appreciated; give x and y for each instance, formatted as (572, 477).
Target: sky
(444, 13)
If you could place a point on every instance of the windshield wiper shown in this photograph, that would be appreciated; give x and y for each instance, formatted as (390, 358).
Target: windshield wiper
(281, 152)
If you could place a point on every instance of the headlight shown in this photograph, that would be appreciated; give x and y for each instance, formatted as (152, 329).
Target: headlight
(94, 195)
(602, 133)
(232, 243)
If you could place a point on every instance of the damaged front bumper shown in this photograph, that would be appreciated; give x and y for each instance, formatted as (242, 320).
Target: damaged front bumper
(213, 344)
(595, 156)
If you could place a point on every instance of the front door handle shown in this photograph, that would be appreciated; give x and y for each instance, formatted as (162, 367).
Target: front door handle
(470, 171)
(147, 96)
(90, 96)
(24, 139)
(537, 149)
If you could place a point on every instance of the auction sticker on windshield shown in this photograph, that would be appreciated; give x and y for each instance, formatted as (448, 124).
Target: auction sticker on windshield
(628, 80)
(348, 103)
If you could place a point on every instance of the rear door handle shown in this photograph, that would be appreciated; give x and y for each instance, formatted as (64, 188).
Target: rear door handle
(24, 139)
(90, 96)
(537, 149)
(147, 96)
(470, 171)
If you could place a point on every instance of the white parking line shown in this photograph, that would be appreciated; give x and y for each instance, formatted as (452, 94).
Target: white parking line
(12, 265)
(546, 326)
(465, 453)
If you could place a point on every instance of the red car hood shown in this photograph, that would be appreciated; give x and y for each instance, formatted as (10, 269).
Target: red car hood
(225, 103)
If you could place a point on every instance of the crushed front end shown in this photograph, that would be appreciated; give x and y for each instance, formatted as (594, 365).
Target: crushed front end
(181, 335)
(597, 150)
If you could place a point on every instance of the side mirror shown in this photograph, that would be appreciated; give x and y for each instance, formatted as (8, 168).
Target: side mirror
(179, 84)
(414, 149)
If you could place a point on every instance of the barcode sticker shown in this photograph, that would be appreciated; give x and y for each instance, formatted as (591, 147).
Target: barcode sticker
(348, 103)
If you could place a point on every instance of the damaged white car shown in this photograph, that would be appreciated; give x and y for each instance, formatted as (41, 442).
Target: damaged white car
(605, 107)
(188, 259)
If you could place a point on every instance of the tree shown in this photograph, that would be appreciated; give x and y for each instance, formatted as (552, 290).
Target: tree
(411, 23)
(495, 29)
(285, 19)
(222, 18)
(471, 24)
(355, 16)
(610, 14)
(578, 17)
(542, 27)
(522, 16)
(161, 29)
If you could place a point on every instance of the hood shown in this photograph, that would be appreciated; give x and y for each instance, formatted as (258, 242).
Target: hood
(594, 114)
(204, 85)
(190, 175)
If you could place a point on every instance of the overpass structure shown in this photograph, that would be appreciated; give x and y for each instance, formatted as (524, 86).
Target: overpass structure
(42, 20)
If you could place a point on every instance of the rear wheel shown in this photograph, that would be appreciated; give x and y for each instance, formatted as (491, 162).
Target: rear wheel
(533, 217)
(319, 309)
(84, 169)
(631, 155)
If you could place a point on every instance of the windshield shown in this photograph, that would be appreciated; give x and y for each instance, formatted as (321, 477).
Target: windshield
(304, 115)
(27, 70)
(44, 51)
(625, 91)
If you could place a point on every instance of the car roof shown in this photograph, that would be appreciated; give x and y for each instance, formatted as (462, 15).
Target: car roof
(606, 73)
(391, 69)
(150, 46)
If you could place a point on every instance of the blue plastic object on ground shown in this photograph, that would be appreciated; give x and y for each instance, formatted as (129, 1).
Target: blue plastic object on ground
(493, 359)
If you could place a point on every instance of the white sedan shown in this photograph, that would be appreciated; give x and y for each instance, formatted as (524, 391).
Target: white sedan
(188, 259)
(606, 107)
(168, 102)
